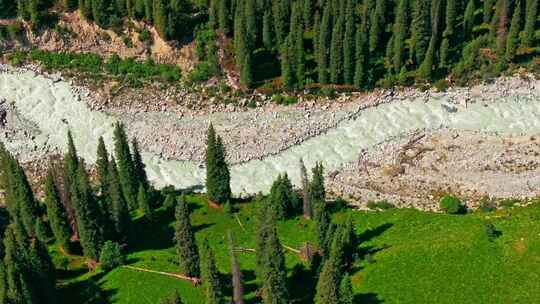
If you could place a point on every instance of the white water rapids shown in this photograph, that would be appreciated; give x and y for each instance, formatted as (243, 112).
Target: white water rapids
(53, 107)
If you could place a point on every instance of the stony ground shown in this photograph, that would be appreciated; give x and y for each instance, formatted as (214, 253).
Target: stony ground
(412, 171)
(419, 169)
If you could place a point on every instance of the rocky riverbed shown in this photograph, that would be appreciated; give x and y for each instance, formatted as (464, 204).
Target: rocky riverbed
(270, 139)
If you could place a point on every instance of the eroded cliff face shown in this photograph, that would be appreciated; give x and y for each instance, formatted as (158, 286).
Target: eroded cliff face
(74, 34)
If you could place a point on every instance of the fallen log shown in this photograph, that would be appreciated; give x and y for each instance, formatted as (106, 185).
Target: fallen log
(195, 281)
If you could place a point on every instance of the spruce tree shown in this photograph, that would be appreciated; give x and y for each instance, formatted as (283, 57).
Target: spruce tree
(126, 168)
(360, 57)
(299, 55)
(512, 42)
(57, 214)
(346, 294)
(251, 23)
(421, 29)
(210, 275)
(274, 288)
(286, 58)
(119, 209)
(186, 247)
(102, 165)
(306, 206)
(400, 34)
(160, 18)
(348, 44)
(217, 172)
(468, 19)
(329, 281)
(223, 16)
(336, 51)
(246, 75)
(139, 167)
(144, 204)
(531, 13)
(307, 12)
(268, 31)
(488, 10)
(236, 274)
(323, 42)
(316, 187)
(88, 215)
(449, 34)
(377, 22)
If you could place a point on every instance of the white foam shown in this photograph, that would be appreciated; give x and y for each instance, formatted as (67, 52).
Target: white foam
(48, 104)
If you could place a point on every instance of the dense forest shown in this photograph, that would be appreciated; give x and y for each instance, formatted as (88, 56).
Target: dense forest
(91, 215)
(356, 44)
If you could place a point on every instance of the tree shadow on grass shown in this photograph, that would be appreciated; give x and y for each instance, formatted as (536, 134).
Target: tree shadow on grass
(373, 233)
(89, 291)
(201, 227)
(156, 235)
(367, 298)
(301, 284)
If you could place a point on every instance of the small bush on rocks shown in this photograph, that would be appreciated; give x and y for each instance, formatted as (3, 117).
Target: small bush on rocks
(451, 205)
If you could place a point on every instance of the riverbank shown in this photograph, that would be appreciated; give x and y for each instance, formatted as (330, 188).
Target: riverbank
(266, 141)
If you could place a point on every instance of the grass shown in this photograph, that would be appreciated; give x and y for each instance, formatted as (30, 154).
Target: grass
(418, 257)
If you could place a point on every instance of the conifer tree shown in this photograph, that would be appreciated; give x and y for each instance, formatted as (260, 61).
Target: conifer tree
(186, 247)
(102, 165)
(512, 41)
(360, 57)
(305, 191)
(144, 204)
(217, 172)
(57, 214)
(329, 281)
(280, 20)
(88, 215)
(299, 50)
(336, 51)
(449, 34)
(488, 10)
(316, 188)
(19, 198)
(286, 66)
(274, 275)
(400, 34)
(236, 274)
(246, 76)
(421, 29)
(468, 18)
(251, 23)
(126, 169)
(323, 42)
(377, 22)
(346, 294)
(348, 44)
(139, 167)
(210, 275)
(160, 19)
(307, 12)
(119, 209)
(223, 16)
(500, 25)
(268, 31)
(531, 13)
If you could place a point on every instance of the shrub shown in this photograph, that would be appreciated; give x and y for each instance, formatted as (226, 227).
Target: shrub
(508, 203)
(144, 35)
(111, 256)
(487, 205)
(284, 100)
(491, 232)
(380, 205)
(441, 85)
(15, 30)
(451, 205)
(202, 72)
